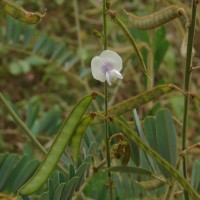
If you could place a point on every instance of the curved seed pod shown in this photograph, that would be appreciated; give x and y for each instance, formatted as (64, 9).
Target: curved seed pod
(19, 13)
(157, 157)
(63, 138)
(140, 99)
(75, 142)
(158, 18)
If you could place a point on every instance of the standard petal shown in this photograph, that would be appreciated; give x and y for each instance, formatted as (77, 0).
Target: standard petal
(96, 67)
(114, 58)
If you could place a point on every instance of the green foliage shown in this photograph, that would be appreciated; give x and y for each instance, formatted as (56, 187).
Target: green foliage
(37, 47)
(15, 171)
(52, 67)
(63, 138)
(161, 47)
(195, 174)
(161, 136)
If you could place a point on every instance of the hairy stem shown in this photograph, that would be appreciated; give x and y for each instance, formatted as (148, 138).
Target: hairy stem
(188, 69)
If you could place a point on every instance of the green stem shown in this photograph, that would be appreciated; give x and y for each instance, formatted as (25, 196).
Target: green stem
(107, 136)
(130, 38)
(25, 129)
(105, 25)
(170, 190)
(188, 69)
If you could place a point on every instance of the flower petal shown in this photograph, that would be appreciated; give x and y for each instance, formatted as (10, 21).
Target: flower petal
(108, 78)
(96, 67)
(115, 74)
(114, 58)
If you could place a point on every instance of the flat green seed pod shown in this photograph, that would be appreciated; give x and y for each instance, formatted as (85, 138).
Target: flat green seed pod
(62, 140)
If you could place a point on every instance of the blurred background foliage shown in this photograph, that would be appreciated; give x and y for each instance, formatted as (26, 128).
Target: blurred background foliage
(45, 69)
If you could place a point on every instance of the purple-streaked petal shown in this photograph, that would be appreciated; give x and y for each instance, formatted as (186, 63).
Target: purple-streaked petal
(108, 56)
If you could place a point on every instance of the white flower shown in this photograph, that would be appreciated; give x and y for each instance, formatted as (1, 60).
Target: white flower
(107, 67)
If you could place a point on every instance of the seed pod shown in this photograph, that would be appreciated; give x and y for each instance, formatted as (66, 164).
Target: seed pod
(158, 18)
(19, 13)
(63, 138)
(141, 99)
(75, 142)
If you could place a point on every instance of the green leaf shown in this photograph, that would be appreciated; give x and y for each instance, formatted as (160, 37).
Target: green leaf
(63, 138)
(3, 157)
(71, 171)
(48, 48)
(32, 112)
(45, 196)
(15, 171)
(28, 35)
(25, 66)
(150, 132)
(80, 173)
(39, 44)
(50, 188)
(7, 167)
(161, 136)
(161, 46)
(69, 188)
(48, 120)
(35, 60)
(58, 191)
(25, 173)
(166, 137)
(59, 50)
(128, 169)
(157, 157)
(15, 68)
(145, 158)
(10, 30)
(195, 181)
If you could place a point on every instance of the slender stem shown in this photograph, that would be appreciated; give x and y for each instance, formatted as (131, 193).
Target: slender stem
(105, 25)
(107, 136)
(25, 129)
(187, 78)
(130, 38)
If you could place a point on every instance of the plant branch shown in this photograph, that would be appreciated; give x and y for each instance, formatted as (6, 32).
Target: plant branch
(117, 20)
(187, 80)
(107, 136)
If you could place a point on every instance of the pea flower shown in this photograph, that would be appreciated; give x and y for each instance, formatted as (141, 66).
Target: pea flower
(107, 67)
